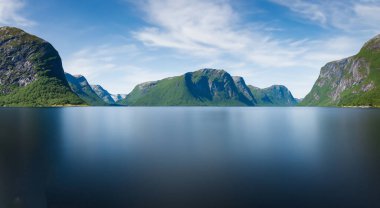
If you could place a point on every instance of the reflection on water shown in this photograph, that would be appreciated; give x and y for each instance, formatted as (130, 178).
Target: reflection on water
(189, 157)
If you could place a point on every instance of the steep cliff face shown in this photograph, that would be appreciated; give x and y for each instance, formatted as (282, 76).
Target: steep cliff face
(31, 72)
(352, 81)
(244, 89)
(103, 94)
(276, 95)
(202, 87)
(217, 86)
(82, 88)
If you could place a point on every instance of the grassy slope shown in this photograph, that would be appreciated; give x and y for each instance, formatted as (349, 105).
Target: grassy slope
(42, 92)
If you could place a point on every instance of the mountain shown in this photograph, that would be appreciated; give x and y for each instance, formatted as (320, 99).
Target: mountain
(205, 87)
(353, 81)
(103, 94)
(31, 72)
(276, 95)
(118, 97)
(82, 88)
(244, 89)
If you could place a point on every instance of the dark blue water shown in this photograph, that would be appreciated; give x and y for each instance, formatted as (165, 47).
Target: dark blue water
(189, 157)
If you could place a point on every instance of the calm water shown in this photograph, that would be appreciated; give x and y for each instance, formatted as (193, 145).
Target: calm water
(189, 157)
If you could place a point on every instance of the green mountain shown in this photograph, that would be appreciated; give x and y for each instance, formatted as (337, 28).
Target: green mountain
(353, 81)
(82, 88)
(31, 72)
(103, 94)
(276, 95)
(205, 87)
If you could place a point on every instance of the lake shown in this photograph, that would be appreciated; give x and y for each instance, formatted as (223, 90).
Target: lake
(189, 157)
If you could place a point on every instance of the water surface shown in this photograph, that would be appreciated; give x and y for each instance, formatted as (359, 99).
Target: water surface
(189, 157)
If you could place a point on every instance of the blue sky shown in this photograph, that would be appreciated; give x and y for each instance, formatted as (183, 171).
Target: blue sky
(120, 43)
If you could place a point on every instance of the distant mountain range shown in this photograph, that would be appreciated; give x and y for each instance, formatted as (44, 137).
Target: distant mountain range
(31, 74)
(205, 87)
(94, 95)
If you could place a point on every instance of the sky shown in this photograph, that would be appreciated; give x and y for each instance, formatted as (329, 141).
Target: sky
(121, 43)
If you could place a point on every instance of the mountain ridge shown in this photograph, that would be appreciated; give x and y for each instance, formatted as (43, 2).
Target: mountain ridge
(204, 87)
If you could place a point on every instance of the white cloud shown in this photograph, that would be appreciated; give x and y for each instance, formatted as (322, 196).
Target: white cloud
(113, 66)
(348, 15)
(10, 13)
(209, 29)
(213, 29)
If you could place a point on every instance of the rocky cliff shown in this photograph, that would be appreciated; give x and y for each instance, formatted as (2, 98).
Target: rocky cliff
(352, 81)
(103, 94)
(31, 72)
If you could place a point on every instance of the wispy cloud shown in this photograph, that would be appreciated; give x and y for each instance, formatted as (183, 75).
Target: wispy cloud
(348, 15)
(11, 13)
(214, 29)
(201, 28)
(115, 67)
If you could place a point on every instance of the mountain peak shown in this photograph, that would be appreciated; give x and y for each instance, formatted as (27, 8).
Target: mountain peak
(7, 29)
(207, 71)
(238, 79)
(78, 76)
(373, 44)
(282, 87)
(275, 95)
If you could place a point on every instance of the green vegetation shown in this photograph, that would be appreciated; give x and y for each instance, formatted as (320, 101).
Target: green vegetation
(42, 92)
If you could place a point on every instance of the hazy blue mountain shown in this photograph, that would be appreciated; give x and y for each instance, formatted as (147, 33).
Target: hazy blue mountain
(103, 94)
(83, 89)
(276, 95)
(31, 72)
